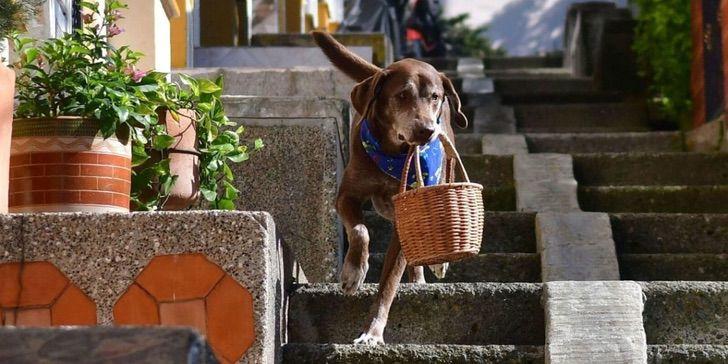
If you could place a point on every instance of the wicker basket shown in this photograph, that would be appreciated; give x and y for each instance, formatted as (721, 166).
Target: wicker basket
(441, 223)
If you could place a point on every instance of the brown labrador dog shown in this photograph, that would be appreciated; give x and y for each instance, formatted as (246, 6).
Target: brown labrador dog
(402, 104)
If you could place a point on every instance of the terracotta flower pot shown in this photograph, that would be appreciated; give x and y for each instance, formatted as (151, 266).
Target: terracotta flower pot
(184, 161)
(64, 165)
(7, 93)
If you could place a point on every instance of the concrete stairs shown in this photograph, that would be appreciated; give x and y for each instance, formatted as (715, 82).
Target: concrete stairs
(659, 210)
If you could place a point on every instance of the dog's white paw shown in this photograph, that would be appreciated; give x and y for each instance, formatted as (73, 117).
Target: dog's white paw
(352, 277)
(439, 270)
(371, 340)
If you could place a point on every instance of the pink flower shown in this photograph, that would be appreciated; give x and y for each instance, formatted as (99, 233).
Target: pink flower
(136, 75)
(116, 15)
(87, 18)
(114, 30)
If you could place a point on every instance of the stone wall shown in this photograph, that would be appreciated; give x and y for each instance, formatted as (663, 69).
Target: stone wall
(215, 271)
(295, 176)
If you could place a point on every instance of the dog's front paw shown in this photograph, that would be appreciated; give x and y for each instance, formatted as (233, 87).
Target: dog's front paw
(439, 270)
(368, 339)
(352, 276)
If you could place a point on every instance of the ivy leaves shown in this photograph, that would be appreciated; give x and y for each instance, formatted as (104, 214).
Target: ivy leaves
(218, 144)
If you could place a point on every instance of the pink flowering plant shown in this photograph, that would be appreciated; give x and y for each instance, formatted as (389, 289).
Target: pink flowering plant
(83, 74)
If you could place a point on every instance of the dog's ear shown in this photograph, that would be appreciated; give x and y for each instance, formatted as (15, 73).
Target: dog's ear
(364, 93)
(454, 100)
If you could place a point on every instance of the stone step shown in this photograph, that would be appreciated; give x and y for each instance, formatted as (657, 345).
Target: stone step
(491, 267)
(688, 354)
(453, 313)
(651, 169)
(504, 232)
(657, 199)
(525, 73)
(495, 173)
(679, 313)
(552, 90)
(411, 353)
(493, 63)
(673, 267)
(466, 354)
(574, 143)
(670, 233)
(602, 117)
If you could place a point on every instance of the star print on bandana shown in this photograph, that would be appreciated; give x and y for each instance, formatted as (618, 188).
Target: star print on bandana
(392, 165)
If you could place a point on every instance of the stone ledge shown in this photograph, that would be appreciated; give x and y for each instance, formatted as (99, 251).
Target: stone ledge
(599, 322)
(103, 254)
(504, 144)
(576, 246)
(104, 344)
(295, 176)
(545, 183)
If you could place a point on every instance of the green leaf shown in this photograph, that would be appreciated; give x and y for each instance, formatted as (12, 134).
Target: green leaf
(122, 113)
(209, 195)
(259, 144)
(31, 54)
(208, 87)
(238, 157)
(161, 142)
(226, 205)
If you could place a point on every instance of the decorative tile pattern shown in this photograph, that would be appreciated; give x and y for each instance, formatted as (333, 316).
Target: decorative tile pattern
(38, 294)
(189, 290)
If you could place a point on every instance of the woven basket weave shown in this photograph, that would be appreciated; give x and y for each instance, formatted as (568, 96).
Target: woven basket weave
(442, 223)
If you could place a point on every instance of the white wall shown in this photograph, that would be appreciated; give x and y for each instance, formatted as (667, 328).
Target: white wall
(522, 27)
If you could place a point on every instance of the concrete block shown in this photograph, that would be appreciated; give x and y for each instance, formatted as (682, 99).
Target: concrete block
(575, 143)
(670, 233)
(298, 82)
(411, 354)
(504, 144)
(268, 57)
(651, 169)
(102, 254)
(602, 117)
(470, 67)
(690, 354)
(576, 246)
(545, 182)
(655, 199)
(449, 313)
(381, 46)
(678, 313)
(295, 176)
(103, 345)
(477, 85)
(494, 119)
(594, 322)
(709, 137)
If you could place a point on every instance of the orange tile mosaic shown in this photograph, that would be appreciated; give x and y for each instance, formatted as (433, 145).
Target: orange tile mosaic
(189, 290)
(38, 294)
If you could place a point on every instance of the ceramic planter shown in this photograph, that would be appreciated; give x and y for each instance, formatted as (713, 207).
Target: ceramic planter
(184, 161)
(7, 93)
(65, 165)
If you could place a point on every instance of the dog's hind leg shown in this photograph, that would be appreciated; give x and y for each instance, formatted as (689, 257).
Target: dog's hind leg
(394, 266)
(416, 274)
(356, 262)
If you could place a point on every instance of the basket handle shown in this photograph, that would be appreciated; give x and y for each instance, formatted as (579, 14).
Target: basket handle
(450, 152)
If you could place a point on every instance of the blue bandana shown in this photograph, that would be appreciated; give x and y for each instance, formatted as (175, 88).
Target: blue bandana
(392, 165)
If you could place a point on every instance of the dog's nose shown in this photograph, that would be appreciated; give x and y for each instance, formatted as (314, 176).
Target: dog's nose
(424, 133)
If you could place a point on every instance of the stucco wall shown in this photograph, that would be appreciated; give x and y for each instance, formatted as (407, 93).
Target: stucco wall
(522, 27)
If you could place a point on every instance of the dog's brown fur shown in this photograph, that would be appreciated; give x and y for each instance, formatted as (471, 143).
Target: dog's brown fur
(402, 103)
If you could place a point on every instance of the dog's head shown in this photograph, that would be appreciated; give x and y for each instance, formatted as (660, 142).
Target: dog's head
(409, 101)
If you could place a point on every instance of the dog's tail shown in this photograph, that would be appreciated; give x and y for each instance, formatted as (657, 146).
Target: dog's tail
(352, 65)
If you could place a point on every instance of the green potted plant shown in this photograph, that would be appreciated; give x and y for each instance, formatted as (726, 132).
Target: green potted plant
(85, 106)
(13, 14)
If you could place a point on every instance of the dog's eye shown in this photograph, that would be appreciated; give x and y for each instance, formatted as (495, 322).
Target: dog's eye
(402, 95)
(435, 96)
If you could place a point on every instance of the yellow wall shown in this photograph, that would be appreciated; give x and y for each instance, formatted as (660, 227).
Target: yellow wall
(178, 36)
